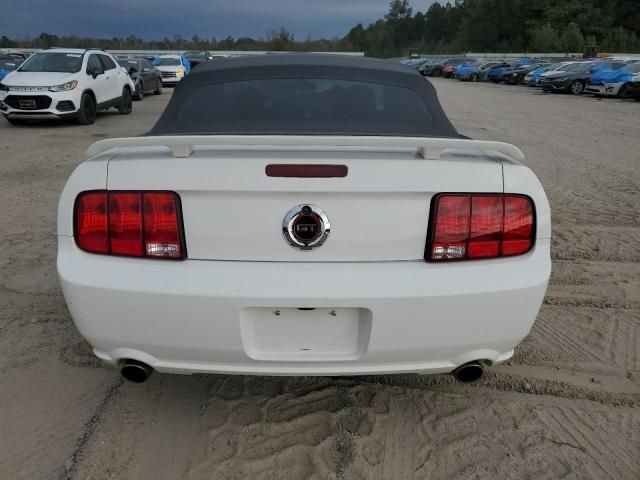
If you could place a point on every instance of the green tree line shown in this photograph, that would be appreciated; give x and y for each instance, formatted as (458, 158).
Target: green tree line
(503, 26)
(443, 27)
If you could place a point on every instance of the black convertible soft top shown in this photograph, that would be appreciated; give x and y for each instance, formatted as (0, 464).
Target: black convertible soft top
(310, 94)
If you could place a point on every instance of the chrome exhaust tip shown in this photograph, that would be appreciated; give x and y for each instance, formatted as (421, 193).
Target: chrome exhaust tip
(134, 371)
(469, 372)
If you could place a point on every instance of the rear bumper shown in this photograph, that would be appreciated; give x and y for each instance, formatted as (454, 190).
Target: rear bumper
(191, 316)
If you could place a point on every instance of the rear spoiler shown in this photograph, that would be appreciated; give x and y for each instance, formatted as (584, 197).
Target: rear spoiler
(182, 146)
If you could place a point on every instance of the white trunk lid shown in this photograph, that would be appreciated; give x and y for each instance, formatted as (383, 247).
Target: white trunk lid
(233, 211)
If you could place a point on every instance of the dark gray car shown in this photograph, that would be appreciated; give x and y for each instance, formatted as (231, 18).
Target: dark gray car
(571, 78)
(146, 77)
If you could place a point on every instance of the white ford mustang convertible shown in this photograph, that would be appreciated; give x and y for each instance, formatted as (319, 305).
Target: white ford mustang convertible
(303, 215)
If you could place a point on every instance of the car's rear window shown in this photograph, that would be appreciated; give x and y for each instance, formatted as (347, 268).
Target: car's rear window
(303, 106)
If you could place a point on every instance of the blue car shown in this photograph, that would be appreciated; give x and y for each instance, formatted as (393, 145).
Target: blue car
(533, 78)
(607, 66)
(523, 62)
(474, 72)
(460, 70)
(7, 65)
(613, 81)
(501, 72)
(498, 72)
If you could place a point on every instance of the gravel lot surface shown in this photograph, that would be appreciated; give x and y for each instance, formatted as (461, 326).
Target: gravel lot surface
(567, 406)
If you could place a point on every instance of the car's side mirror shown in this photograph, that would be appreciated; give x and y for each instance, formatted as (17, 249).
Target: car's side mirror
(97, 71)
(133, 70)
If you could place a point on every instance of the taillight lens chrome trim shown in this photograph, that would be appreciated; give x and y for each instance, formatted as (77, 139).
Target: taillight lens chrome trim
(474, 226)
(130, 223)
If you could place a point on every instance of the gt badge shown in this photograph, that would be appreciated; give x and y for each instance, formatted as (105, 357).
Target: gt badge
(306, 227)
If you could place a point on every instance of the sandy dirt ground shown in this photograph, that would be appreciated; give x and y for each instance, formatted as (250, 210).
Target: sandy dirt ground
(566, 406)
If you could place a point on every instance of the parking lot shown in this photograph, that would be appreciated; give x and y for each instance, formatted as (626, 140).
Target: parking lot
(567, 405)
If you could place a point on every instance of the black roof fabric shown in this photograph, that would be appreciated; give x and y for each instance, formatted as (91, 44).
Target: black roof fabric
(261, 95)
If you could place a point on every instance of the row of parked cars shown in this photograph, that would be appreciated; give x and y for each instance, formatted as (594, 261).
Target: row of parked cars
(75, 84)
(616, 77)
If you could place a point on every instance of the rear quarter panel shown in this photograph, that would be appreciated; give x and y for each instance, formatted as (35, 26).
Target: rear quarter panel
(520, 179)
(89, 175)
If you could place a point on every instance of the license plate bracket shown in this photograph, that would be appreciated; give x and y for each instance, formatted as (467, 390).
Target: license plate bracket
(305, 334)
(28, 104)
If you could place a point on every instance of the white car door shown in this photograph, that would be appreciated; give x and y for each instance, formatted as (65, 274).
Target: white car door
(98, 78)
(111, 71)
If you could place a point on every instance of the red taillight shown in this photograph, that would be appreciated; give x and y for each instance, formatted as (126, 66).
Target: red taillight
(486, 224)
(125, 224)
(517, 233)
(92, 222)
(137, 224)
(469, 226)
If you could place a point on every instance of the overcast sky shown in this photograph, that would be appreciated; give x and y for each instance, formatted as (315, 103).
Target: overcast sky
(155, 19)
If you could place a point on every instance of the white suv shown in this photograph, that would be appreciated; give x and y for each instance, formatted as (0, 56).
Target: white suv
(173, 68)
(65, 83)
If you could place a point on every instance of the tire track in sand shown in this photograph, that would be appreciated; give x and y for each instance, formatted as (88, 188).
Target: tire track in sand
(591, 432)
(90, 428)
(514, 436)
(583, 335)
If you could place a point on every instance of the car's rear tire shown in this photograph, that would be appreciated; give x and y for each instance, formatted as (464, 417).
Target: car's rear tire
(576, 87)
(88, 110)
(158, 90)
(126, 102)
(139, 95)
